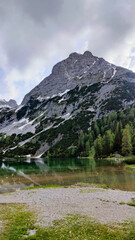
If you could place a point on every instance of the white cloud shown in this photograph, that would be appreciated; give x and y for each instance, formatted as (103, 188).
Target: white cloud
(37, 34)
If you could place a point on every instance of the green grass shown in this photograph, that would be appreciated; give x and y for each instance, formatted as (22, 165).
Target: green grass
(122, 203)
(81, 184)
(80, 228)
(18, 222)
(44, 186)
(132, 204)
(130, 166)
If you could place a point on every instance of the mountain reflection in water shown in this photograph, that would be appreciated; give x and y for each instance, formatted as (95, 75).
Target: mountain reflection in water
(16, 174)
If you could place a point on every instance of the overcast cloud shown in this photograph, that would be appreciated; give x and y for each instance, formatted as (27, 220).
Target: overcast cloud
(36, 34)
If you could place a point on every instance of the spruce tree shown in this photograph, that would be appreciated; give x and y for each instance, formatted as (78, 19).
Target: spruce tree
(118, 137)
(104, 120)
(126, 141)
(96, 129)
(98, 145)
(90, 139)
(102, 130)
(87, 148)
(81, 141)
(108, 141)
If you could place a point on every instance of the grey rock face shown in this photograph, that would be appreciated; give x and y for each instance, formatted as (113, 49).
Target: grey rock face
(12, 103)
(8, 104)
(7, 112)
(77, 69)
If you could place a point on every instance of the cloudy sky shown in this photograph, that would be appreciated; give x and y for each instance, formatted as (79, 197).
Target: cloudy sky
(36, 34)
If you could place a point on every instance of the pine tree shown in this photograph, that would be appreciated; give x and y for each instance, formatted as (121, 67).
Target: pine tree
(126, 141)
(118, 137)
(81, 141)
(131, 114)
(90, 139)
(73, 150)
(112, 117)
(98, 145)
(102, 130)
(104, 120)
(87, 148)
(121, 115)
(108, 141)
(96, 129)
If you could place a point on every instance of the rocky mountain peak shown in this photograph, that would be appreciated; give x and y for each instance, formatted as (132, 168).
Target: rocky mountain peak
(12, 103)
(76, 70)
(74, 55)
(88, 54)
(9, 104)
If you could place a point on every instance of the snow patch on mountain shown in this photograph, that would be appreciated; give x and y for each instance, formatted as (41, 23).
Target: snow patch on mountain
(23, 126)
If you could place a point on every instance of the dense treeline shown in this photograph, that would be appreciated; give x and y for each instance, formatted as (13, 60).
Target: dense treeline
(114, 133)
(111, 134)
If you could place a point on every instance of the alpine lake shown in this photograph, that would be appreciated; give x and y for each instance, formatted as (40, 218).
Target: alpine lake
(17, 174)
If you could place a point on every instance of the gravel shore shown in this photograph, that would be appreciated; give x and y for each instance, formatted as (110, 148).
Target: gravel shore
(54, 203)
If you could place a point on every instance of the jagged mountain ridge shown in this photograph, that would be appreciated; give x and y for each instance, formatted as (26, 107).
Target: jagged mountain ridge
(8, 104)
(80, 87)
(77, 69)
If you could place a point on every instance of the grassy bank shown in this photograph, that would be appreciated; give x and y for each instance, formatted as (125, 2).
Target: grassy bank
(130, 166)
(15, 220)
(79, 184)
(17, 223)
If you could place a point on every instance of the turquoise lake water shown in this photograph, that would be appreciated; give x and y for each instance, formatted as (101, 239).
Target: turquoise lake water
(16, 174)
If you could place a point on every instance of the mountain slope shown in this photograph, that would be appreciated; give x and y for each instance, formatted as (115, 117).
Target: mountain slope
(7, 112)
(80, 89)
(77, 69)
